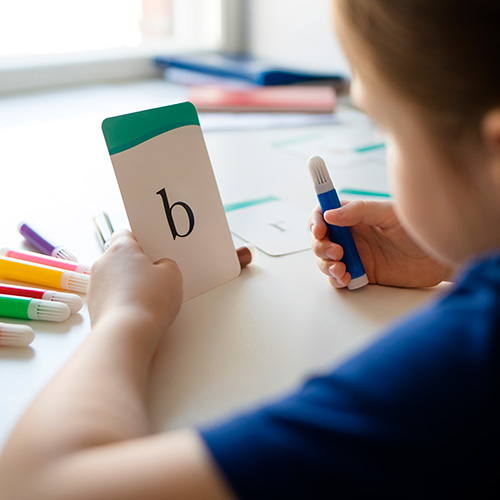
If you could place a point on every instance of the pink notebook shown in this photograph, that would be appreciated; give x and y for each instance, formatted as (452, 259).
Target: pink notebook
(289, 98)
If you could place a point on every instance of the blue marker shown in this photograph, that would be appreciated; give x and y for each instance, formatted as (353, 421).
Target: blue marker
(328, 199)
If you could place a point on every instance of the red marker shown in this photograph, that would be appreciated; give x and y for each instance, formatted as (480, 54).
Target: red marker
(73, 301)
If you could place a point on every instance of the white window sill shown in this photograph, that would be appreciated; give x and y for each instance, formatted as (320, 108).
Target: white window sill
(42, 72)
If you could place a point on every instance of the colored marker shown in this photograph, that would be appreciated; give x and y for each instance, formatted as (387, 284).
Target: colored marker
(104, 229)
(246, 254)
(46, 260)
(73, 301)
(26, 308)
(15, 335)
(328, 199)
(38, 274)
(42, 244)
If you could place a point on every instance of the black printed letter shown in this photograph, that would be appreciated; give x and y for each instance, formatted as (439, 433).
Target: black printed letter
(170, 219)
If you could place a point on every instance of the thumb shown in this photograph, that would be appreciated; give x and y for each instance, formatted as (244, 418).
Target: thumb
(372, 213)
(166, 263)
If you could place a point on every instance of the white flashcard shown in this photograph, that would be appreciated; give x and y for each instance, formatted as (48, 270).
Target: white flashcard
(275, 227)
(170, 193)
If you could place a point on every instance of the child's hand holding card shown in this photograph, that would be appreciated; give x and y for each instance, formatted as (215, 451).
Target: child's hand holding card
(170, 193)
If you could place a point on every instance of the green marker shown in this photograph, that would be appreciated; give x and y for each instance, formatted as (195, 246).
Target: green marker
(38, 309)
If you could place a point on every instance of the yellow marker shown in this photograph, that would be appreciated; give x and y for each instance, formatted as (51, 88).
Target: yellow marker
(38, 274)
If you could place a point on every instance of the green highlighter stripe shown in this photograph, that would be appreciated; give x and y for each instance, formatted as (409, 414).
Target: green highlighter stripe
(370, 147)
(249, 203)
(362, 192)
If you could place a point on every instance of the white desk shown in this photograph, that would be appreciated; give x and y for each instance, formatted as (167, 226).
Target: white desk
(242, 343)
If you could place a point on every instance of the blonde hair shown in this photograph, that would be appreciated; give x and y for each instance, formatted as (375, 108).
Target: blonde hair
(444, 55)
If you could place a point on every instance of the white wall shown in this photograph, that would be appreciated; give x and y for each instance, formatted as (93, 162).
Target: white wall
(297, 32)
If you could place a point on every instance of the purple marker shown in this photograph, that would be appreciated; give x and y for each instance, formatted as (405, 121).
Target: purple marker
(42, 244)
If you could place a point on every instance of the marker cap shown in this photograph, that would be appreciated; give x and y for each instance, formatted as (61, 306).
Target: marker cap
(73, 301)
(75, 282)
(15, 335)
(246, 254)
(63, 253)
(359, 282)
(44, 310)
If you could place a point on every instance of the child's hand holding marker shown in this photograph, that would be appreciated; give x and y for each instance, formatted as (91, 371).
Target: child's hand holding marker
(389, 255)
(328, 199)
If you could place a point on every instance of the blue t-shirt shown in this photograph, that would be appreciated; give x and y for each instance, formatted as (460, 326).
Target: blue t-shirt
(415, 415)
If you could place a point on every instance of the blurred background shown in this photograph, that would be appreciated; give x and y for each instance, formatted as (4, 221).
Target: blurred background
(59, 42)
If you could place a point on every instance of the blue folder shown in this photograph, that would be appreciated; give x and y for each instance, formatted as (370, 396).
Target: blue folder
(243, 68)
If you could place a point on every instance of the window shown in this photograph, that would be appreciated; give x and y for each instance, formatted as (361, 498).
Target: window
(46, 34)
(32, 27)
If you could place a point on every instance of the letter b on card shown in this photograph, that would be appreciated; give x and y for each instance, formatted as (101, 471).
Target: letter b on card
(170, 194)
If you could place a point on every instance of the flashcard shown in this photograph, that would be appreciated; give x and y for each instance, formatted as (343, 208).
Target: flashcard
(275, 227)
(170, 193)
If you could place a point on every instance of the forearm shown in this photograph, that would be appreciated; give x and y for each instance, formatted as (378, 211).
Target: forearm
(87, 434)
(98, 398)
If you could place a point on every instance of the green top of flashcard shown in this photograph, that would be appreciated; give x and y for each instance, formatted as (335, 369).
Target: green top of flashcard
(126, 131)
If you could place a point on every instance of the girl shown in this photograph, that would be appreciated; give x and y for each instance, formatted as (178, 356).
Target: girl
(414, 415)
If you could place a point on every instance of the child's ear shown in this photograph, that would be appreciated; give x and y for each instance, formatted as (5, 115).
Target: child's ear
(490, 131)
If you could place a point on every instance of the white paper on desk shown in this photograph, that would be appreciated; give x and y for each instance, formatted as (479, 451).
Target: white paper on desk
(170, 193)
(337, 145)
(275, 227)
(259, 121)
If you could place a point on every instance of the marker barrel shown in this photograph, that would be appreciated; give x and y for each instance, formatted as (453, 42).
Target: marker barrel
(26, 308)
(342, 236)
(14, 307)
(42, 244)
(21, 291)
(104, 229)
(38, 274)
(74, 302)
(46, 260)
(328, 200)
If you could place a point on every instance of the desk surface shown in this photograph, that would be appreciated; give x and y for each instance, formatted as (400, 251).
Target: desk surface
(238, 345)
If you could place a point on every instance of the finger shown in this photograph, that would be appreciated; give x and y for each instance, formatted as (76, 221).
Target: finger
(325, 249)
(324, 266)
(317, 224)
(338, 273)
(372, 213)
(121, 235)
(340, 283)
(332, 268)
(165, 262)
(336, 284)
(122, 242)
(337, 270)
